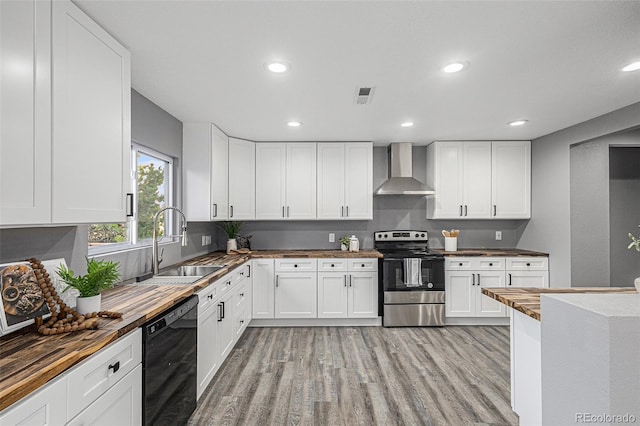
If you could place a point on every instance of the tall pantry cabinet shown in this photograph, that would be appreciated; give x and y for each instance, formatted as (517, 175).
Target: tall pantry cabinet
(66, 117)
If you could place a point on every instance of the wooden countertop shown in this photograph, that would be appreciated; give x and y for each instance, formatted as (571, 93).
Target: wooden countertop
(492, 252)
(527, 300)
(29, 360)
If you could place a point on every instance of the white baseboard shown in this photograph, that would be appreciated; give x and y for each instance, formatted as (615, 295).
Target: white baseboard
(476, 321)
(317, 322)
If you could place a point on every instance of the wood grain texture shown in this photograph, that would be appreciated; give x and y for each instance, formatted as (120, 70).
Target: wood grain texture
(527, 300)
(362, 376)
(492, 252)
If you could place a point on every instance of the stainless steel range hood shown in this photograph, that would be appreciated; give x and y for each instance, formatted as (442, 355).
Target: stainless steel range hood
(401, 180)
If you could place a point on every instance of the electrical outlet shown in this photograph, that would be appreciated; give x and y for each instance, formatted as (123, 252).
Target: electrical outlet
(204, 240)
(498, 235)
(332, 237)
(208, 239)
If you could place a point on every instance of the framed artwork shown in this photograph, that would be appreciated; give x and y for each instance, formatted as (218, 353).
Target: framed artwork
(22, 297)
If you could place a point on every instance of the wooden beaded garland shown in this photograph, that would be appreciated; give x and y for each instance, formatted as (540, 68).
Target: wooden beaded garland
(64, 319)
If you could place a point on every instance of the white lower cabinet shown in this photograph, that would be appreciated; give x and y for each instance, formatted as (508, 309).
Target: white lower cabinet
(349, 294)
(263, 282)
(207, 363)
(465, 277)
(295, 295)
(104, 389)
(46, 406)
(226, 333)
(120, 405)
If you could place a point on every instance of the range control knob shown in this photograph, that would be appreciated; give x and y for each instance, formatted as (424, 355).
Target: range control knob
(422, 235)
(386, 236)
(429, 285)
(417, 235)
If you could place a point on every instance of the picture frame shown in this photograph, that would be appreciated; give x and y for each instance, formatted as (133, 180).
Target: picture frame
(22, 298)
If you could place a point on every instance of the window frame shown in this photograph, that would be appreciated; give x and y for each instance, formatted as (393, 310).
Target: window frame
(134, 242)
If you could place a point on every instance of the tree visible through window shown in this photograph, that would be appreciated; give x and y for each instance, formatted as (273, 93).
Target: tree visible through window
(152, 191)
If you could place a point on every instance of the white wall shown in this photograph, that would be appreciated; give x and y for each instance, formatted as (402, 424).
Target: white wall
(549, 227)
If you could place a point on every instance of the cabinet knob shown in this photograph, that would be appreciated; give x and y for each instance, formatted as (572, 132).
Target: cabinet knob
(460, 264)
(241, 294)
(210, 296)
(528, 264)
(363, 265)
(490, 264)
(332, 265)
(115, 366)
(295, 266)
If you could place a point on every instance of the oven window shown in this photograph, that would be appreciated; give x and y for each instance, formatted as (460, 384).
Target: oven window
(412, 274)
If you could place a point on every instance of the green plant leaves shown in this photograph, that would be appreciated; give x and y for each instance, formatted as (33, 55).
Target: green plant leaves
(101, 275)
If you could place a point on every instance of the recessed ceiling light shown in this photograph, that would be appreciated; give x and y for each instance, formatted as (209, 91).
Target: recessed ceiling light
(294, 124)
(407, 124)
(453, 67)
(278, 67)
(517, 123)
(634, 66)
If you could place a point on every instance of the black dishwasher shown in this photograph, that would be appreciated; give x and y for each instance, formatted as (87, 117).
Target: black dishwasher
(169, 365)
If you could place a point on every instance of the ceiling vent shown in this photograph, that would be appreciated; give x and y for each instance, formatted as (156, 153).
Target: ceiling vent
(364, 95)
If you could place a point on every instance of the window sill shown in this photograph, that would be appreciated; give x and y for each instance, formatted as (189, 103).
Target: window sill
(98, 251)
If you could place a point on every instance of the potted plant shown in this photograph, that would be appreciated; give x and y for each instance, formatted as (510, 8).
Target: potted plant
(101, 275)
(635, 243)
(232, 229)
(344, 243)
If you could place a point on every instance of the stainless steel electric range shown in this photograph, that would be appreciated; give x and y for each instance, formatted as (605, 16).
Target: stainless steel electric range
(411, 280)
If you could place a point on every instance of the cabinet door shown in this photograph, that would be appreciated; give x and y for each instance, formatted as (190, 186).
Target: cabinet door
(226, 334)
(46, 406)
(301, 181)
(219, 175)
(460, 295)
(91, 100)
(263, 276)
(477, 180)
(120, 405)
(486, 306)
(331, 184)
(446, 159)
(538, 279)
(242, 183)
(358, 190)
(296, 295)
(207, 346)
(332, 295)
(25, 113)
(271, 180)
(363, 295)
(196, 171)
(511, 180)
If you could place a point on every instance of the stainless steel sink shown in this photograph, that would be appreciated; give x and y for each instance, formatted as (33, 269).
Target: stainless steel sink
(191, 271)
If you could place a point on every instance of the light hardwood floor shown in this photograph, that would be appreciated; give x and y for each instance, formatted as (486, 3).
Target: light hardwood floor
(363, 376)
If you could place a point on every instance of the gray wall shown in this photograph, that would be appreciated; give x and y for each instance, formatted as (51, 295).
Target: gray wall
(549, 228)
(624, 205)
(152, 127)
(389, 212)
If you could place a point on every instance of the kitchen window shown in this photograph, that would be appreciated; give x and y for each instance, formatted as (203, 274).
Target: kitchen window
(152, 188)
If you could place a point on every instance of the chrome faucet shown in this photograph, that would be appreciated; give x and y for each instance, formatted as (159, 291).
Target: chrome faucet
(155, 259)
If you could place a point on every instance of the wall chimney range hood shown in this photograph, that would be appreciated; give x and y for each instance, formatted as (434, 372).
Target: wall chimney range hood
(401, 180)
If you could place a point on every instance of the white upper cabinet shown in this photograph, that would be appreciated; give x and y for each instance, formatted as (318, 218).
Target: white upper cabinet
(91, 106)
(479, 180)
(511, 177)
(242, 182)
(205, 153)
(345, 180)
(25, 113)
(285, 181)
(65, 117)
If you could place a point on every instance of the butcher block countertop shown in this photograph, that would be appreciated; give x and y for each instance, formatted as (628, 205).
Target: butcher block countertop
(492, 252)
(29, 360)
(527, 299)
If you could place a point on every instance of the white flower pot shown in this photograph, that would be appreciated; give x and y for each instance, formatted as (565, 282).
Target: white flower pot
(344, 247)
(86, 305)
(636, 282)
(232, 245)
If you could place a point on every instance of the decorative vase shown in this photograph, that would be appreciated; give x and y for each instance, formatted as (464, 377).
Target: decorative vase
(232, 245)
(86, 305)
(636, 282)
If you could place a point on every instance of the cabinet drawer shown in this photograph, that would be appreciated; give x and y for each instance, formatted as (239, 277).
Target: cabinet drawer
(224, 284)
(207, 296)
(46, 406)
(295, 265)
(241, 294)
(95, 375)
(489, 263)
(368, 264)
(458, 263)
(329, 265)
(240, 274)
(528, 263)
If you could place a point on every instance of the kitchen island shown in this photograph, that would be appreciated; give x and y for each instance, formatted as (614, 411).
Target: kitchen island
(529, 343)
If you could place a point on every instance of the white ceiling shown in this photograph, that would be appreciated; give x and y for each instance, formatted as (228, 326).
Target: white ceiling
(555, 63)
